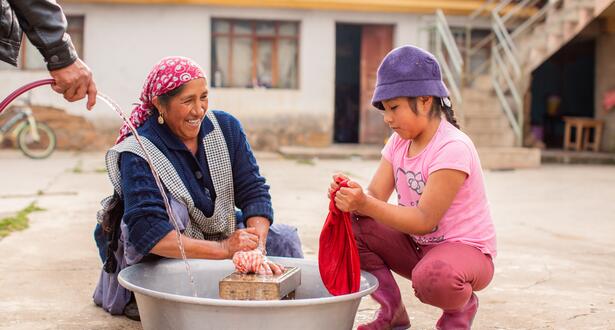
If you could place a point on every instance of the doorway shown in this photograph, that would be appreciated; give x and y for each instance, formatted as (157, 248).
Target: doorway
(358, 52)
(563, 86)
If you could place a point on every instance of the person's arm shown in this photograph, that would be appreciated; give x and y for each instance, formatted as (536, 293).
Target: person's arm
(149, 230)
(383, 182)
(75, 82)
(261, 227)
(438, 196)
(240, 240)
(251, 190)
(44, 24)
(448, 171)
(380, 187)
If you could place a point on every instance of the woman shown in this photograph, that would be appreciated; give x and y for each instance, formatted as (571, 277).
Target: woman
(208, 170)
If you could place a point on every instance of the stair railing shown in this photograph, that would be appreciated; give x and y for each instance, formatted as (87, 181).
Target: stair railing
(448, 55)
(513, 17)
(504, 64)
(507, 75)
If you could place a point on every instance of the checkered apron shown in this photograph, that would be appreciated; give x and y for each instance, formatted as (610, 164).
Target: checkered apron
(222, 223)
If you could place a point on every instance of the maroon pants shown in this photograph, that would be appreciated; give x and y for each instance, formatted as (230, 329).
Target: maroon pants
(443, 275)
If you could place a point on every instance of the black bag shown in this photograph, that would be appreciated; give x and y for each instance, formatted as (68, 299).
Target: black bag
(111, 215)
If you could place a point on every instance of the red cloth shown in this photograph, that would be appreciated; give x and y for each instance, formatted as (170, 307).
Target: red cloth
(338, 257)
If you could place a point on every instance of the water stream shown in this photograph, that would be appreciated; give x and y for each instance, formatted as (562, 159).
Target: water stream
(107, 100)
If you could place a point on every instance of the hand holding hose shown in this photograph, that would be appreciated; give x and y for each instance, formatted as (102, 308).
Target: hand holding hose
(75, 82)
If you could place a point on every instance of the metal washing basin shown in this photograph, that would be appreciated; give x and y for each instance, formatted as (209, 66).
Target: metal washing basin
(165, 299)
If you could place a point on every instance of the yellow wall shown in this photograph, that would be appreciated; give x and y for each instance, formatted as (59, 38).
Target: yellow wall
(410, 6)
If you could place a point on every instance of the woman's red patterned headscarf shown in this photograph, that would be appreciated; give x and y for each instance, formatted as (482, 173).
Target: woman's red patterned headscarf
(167, 75)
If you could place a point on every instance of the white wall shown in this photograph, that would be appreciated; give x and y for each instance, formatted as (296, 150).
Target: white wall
(122, 42)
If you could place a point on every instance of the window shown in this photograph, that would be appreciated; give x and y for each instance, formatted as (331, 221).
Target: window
(249, 53)
(31, 59)
(75, 30)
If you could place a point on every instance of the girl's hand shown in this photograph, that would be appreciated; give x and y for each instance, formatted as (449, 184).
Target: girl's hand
(338, 177)
(351, 198)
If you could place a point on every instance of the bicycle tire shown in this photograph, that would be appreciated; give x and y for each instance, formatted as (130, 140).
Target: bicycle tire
(46, 134)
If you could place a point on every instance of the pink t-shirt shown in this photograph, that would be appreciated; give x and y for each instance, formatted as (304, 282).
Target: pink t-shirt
(468, 219)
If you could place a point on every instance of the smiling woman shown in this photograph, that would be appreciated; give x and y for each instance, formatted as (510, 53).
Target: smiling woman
(208, 170)
(183, 110)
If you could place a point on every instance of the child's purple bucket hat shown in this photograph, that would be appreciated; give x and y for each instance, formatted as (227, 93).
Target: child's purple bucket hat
(408, 71)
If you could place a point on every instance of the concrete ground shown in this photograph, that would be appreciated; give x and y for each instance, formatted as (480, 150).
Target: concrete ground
(555, 224)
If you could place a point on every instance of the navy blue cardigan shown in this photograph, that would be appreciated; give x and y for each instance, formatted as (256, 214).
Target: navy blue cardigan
(144, 211)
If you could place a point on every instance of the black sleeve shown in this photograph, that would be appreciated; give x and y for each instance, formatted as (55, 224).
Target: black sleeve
(45, 25)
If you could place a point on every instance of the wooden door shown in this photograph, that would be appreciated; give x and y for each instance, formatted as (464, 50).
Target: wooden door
(376, 42)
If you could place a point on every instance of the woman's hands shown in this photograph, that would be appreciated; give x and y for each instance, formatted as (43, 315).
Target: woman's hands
(240, 240)
(242, 246)
(255, 262)
(261, 225)
(347, 199)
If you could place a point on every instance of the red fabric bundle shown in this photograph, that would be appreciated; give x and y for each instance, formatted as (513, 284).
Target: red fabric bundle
(338, 257)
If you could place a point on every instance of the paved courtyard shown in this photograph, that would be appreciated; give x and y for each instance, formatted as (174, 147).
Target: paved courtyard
(555, 225)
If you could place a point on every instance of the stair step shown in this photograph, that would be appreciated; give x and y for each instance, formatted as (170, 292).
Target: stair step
(504, 158)
(477, 95)
(492, 112)
(492, 128)
(536, 59)
(474, 106)
(539, 43)
(554, 27)
(492, 139)
(554, 42)
(482, 83)
(571, 15)
(580, 4)
(475, 123)
(486, 110)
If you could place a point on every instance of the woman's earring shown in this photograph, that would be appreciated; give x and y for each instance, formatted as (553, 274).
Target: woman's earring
(160, 119)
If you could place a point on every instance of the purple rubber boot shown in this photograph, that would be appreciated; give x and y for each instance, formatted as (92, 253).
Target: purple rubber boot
(460, 319)
(392, 313)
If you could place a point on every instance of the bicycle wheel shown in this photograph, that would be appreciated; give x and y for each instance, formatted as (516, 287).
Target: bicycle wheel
(37, 149)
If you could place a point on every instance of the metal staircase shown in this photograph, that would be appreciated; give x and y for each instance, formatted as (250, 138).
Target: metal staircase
(490, 90)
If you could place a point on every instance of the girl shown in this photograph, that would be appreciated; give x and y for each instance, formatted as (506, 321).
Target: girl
(440, 235)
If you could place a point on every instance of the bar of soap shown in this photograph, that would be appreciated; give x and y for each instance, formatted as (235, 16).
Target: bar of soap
(238, 286)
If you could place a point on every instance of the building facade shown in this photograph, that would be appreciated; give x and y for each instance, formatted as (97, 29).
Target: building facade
(300, 73)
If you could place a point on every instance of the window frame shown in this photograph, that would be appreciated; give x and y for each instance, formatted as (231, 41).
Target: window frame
(254, 39)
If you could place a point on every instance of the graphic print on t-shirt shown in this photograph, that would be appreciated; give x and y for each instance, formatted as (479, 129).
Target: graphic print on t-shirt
(414, 181)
